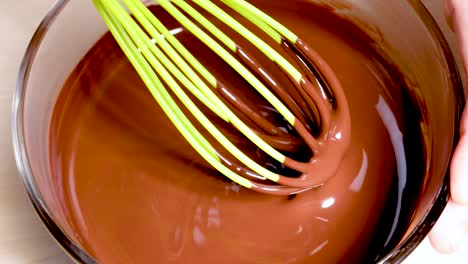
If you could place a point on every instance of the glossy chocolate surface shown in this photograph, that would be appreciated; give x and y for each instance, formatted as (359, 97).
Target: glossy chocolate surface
(136, 192)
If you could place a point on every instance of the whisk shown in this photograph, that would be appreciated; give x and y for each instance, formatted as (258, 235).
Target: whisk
(164, 63)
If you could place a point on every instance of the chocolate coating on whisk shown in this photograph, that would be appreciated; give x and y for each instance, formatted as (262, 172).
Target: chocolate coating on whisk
(318, 102)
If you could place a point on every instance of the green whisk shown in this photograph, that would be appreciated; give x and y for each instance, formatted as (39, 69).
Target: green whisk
(164, 63)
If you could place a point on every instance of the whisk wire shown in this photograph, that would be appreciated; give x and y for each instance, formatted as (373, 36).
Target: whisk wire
(174, 113)
(164, 63)
(210, 94)
(268, 51)
(148, 49)
(228, 58)
(251, 11)
(227, 19)
(252, 17)
(179, 47)
(199, 89)
(251, 135)
(155, 86)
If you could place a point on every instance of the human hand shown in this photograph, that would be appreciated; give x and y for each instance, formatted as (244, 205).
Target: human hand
(450, 231)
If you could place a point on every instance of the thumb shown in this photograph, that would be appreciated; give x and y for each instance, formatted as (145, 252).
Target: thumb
(457, 17)
(459, 166)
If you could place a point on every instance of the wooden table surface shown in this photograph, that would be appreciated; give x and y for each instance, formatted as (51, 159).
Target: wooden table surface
(23, 239)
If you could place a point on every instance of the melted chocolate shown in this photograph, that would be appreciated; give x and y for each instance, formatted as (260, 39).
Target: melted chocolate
(136, 192)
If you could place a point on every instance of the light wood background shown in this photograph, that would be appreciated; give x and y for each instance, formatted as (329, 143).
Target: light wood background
(23, 239)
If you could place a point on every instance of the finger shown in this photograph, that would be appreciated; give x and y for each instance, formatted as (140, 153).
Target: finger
(448, 9)
(457, 11)
(448, 234)
(459, 166)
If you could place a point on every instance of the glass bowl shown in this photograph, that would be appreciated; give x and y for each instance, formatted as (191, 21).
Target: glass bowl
(402, 29)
